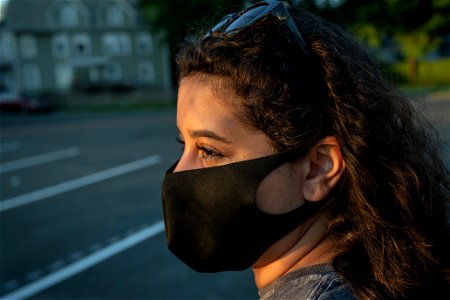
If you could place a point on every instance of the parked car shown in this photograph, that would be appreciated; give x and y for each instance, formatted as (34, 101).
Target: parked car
(16, 103)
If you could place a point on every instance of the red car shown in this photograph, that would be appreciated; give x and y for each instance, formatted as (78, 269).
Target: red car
(10, 102)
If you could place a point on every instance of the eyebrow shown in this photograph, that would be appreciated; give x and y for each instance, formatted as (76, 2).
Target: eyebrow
(208, 134)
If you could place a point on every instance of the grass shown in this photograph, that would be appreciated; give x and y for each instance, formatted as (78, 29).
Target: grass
(429, 73)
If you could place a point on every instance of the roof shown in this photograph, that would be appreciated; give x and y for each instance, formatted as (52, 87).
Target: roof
(31, 17)
(35, 14)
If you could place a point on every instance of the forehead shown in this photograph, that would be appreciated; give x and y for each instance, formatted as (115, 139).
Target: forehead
(206, 105)
(205, 97)
(211, 90)
(219, 87)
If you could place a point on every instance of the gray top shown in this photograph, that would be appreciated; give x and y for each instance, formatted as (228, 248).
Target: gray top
(312, 283)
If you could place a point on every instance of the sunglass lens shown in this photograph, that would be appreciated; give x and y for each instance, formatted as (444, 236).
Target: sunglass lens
(247, 18)
(222, 23)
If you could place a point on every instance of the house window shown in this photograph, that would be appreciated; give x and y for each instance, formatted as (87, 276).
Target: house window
(146, 71)
(28, 46)
(63, 76)
(111, 44)
(144, 43)
(31, 77)
(114, 16)
(82, 44)
(60, 46)
(116, 44)
(113, 72)
(6, 47)
(69, 16)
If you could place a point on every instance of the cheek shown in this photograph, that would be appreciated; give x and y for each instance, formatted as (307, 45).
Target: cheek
(280, 192)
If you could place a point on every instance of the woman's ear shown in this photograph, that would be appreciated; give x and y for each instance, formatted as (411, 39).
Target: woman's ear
(324, 168)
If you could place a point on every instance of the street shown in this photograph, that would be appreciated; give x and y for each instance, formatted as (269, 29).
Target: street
(81, 212)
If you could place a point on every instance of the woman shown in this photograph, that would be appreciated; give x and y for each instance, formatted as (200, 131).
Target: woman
(302, 162)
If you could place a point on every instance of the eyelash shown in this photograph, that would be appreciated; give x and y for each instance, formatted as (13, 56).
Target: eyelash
(206, 153)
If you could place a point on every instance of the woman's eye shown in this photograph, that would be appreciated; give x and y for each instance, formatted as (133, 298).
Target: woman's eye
(207, 153)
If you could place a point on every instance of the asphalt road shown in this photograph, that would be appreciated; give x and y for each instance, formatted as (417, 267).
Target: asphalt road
(81, 211)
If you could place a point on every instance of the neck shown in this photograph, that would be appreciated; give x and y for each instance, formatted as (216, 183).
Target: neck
(307, 245)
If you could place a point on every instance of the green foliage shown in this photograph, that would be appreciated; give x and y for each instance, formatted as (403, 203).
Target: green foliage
(429, 73)
(415, 44)
(414, 24)
(394, 17)
(369, 34)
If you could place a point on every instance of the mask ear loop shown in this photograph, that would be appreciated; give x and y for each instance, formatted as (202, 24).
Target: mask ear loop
(317, 206)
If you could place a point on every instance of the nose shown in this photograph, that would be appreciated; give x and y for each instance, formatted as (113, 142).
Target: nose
(179, 166)
(186, 162)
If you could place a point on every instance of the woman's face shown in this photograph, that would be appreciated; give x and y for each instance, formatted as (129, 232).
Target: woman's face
(211, 133)
(212, 136)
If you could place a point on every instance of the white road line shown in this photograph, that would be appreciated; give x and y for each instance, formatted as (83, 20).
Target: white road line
(78, 183)
(39, 159)
(9, 147)
(85, 263)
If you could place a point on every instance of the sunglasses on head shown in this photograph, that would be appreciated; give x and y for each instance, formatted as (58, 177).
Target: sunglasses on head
(258, 13)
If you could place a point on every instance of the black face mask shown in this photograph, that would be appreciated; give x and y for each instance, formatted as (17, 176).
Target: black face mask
(211, 218)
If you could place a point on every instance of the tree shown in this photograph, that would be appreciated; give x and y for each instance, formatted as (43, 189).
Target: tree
(416, 25)
(179, 18)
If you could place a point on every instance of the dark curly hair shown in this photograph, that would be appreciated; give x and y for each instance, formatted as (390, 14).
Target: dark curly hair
(390, 221)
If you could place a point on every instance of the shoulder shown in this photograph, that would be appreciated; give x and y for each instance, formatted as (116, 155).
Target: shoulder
(331, 286)
(319, 282)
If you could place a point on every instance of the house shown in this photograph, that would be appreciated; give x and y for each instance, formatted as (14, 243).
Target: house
(56, 46)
